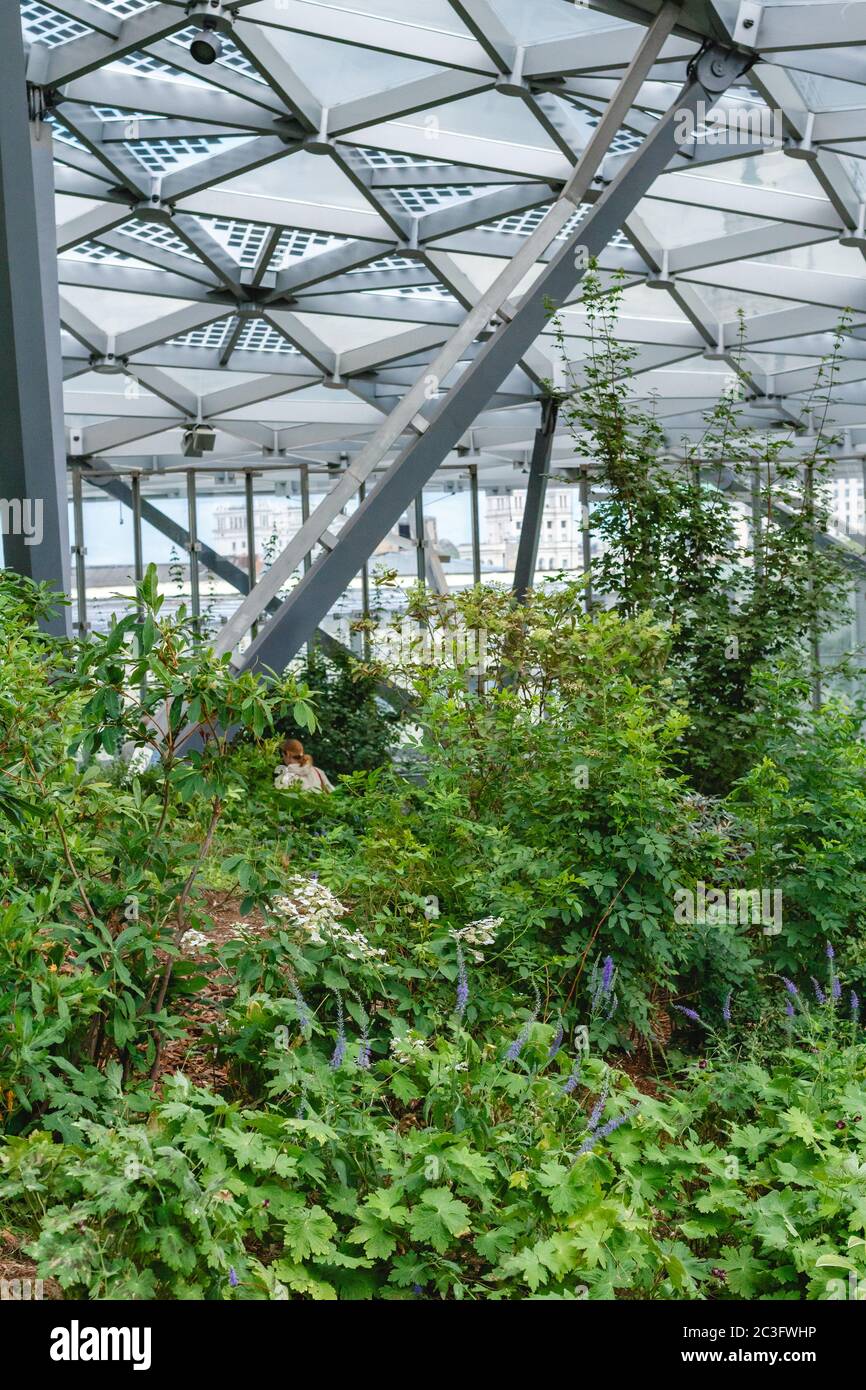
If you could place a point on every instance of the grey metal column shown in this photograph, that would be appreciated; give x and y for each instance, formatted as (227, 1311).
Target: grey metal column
(193, 546)
(365, 590)
(79, 550)
(713, 71)
(420, 539)
(536, 491)
(860, 585)
(757, 522)
(814, 636)
(137, 547)
(250, 519)
(305, 507)
(586, 537)
(32, 442)
(475, 523)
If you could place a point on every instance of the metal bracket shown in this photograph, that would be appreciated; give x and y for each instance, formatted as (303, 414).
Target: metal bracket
(748, 23)
(716, 67)
(38, 101)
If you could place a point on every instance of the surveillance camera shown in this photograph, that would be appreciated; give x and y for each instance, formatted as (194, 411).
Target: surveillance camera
(198, 440)
(206, 47)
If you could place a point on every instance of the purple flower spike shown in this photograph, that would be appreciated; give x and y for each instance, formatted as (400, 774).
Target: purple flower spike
(831, 954)
(462, 984)
(836, 987)
(574, 1079)
(819, 993)
(789, 1009)
(522, 1038)
(592, 1139)
(557, 1042)
(607, 975)
(726, 1007)
(689, 1013)
(233, 1278)
(789, 985)
(520, 1041)
(340, 1047)
(855, 1006)
(598, 1108)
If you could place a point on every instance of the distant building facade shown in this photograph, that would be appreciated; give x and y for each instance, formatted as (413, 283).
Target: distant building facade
(276, 521)
(560, 543)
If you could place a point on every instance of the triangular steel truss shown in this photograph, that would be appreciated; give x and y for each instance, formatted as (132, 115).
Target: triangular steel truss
(280, 243)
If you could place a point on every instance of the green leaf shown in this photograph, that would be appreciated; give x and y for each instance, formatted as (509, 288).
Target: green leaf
(439, 1218)
(301, 1281)
(307, 1231)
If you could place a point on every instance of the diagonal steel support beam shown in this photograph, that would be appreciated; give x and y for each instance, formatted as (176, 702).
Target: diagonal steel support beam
(714, 69)
(536, 491)
(32, 449)
(409, 415)
(223, 568)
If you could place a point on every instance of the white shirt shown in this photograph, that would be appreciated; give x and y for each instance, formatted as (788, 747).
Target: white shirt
(310, 778)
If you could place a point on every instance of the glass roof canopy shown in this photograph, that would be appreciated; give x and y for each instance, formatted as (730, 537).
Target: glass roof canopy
(278, 243)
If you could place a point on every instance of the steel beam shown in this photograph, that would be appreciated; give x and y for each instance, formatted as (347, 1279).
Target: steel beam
(475, 523)
(32, 447)
(586, 538)
(79, 550)
(219, 565)
(250, 521)
(312, 598)
(193, 548)
(536, 491)
(420, 540)
(498, 356)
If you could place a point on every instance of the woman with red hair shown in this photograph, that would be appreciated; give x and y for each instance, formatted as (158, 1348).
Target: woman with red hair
(298, 770)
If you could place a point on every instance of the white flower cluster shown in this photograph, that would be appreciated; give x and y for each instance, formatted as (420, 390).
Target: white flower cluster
(313, 908)
(248, 931)
(354, 943)
(308, 903)
(480, 933)
(193, 941)
(408, 1047)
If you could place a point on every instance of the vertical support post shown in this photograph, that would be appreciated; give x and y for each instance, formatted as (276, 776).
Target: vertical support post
(137, 547)
(192, 548)
(365, 588)
(536, 489)
(32, 442)
(757, 520)
(420, 539)
(79, 551)
(305, 516)
(586, 537)
(475, 523)
(859, 584)
(250, 519)
(814, 640)
(305, 506)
